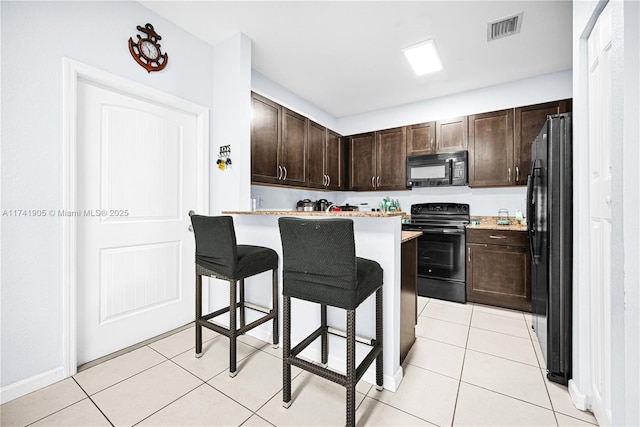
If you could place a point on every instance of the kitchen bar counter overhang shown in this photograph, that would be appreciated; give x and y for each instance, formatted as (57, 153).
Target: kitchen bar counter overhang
(378, 237)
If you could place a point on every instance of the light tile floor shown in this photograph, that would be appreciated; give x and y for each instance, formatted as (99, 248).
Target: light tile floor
(471, 365)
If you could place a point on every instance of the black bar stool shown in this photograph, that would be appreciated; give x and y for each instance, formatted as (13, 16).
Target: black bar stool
(219, 256)
(320, 265)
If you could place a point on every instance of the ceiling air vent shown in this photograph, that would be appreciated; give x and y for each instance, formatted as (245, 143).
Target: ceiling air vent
(504, 27)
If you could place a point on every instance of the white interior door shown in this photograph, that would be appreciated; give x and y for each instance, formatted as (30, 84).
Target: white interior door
(599, 52)
(136, 168)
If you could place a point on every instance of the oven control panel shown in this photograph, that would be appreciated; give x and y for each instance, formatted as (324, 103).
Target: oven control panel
(440, 208)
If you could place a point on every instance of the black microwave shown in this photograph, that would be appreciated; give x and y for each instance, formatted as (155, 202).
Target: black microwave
(442, 169)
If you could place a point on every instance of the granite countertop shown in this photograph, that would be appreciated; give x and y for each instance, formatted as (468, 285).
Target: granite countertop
(409, 235)
(315, 213)
(491, 223)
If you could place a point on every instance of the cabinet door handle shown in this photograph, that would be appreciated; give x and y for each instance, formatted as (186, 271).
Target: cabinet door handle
(328, 180)
(497, 237)
(378, 181)
(373, 181)
(509, 174)
(324, 180)
(285, 173)
(279, 172)
(517, 174)
(469, 254)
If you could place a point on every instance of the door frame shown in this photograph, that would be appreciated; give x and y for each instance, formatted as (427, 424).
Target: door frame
(73, 72)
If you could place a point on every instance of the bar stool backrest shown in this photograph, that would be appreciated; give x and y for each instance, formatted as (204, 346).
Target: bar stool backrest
(216, 247)
(318, 252)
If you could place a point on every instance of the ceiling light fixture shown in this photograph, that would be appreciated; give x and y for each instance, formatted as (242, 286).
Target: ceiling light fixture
(423, 57)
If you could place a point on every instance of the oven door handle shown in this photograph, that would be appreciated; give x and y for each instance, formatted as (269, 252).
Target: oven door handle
(453, 231)
(435, 230)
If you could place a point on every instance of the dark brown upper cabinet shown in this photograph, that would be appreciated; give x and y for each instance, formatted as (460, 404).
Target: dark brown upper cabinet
(278, 144)
(528, 123)
(442, 136)
(391, 159)
(421, 139)
(500, 143)
(452, 135)
(325, 158)
(334, 161)
(362, 161)
(491, 149)
(288, 149)
(294, 148)
(377, 160)
(266, 134)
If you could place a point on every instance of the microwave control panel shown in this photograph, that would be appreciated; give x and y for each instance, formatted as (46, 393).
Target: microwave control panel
(459, 173)
(459, 169)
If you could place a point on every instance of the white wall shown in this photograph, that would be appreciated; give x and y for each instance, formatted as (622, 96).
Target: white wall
(535, 90)
(482, 201)
(283, 96)
(35, 37)
(231, 188)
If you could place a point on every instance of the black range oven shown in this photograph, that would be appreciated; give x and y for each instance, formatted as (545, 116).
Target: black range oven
(441, 249)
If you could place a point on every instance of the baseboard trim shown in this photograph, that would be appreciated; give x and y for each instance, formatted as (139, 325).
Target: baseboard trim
(29, 385)
(580, 400)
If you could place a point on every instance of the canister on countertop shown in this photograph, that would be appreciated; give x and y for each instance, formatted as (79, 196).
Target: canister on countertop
(503, 217)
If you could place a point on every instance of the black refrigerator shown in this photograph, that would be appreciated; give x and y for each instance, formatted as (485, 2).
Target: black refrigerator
(549, 219)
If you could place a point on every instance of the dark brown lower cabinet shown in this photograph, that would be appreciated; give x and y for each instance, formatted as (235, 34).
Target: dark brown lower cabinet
(408, 296)
(498, 269)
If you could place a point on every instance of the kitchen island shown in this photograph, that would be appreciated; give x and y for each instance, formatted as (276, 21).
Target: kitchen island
(378, 237)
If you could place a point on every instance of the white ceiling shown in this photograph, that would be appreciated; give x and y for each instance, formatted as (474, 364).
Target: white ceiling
(345, 56)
